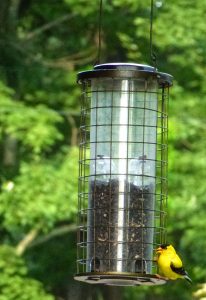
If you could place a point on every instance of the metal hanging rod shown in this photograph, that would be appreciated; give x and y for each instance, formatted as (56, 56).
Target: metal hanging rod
(153, 56)
(98, 59)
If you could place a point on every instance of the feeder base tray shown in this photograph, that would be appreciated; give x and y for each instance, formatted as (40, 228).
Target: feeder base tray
(120, 279)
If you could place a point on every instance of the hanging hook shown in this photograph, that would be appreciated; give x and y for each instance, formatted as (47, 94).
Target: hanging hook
(153, 56)
(99, 34)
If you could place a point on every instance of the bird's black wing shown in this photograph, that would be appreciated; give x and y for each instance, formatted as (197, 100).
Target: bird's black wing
(180, 271)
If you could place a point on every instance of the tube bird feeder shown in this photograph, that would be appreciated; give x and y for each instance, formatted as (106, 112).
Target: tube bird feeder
(122, 173)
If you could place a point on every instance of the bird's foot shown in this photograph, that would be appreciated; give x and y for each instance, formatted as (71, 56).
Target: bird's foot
(161, 277)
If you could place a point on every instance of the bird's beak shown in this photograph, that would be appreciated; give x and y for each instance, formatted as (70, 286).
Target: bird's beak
(159, 250)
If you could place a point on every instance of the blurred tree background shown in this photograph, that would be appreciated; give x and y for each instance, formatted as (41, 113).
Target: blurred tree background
(43, 44)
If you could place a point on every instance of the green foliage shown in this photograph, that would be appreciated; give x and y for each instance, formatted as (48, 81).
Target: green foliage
(39, 194)
(13, 281)
(10, 263)
(187, 168)
(35, 127)
(56, 258)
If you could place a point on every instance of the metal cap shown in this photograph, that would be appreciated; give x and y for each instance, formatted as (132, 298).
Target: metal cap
(125, 66)
(125, 71)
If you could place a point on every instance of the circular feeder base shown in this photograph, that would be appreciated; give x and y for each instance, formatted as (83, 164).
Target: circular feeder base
(120, 279)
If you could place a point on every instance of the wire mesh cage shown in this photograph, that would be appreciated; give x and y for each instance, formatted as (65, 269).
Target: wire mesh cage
(122, 173)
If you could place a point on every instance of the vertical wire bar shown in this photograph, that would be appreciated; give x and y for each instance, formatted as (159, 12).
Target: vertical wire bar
(166, 162)
(79, 197)
(82, 183)
(110, 225)
(79, 254)
(78, 221)
(162, 169)
(143, 191)
(84, 175)
(88, 150)
(86, 196)
(165, 93)
(96, 179)
(167, 104)
(156, 192)
(157, 178)
(126, 227)
(161, 173)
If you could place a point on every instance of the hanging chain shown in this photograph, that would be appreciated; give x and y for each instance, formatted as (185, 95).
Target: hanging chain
(153, 56)
(99, 34)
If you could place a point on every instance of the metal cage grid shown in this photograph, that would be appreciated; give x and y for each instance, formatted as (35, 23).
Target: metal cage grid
(120, 222)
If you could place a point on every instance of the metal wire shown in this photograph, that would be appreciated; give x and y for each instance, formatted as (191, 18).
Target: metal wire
(153, 56)
(98, 59)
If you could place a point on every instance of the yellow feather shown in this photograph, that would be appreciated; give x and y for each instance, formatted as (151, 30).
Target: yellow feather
(164, 260)
(176, 261)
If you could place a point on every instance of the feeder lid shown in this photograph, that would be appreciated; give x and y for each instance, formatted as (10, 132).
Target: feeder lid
(125, 66)
(125, 70)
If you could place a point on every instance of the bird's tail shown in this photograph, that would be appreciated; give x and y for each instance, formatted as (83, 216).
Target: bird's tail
(188, 279)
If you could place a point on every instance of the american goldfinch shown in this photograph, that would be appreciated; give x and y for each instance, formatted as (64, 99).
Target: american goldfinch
(170, 264)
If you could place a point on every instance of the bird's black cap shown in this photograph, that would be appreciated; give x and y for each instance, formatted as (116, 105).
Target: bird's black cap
(164, 246)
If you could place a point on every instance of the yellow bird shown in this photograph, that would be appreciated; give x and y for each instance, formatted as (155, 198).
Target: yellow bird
(170, 264)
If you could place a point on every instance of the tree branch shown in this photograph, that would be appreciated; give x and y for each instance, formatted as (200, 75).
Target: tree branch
(54, 233)
(30, 242)
(65, 63)
(13, 11)
(74, 129)
(68, 63)
(49, 25)
(23, 245)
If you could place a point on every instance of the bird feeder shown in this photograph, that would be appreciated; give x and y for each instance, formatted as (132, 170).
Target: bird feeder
(122, 173)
